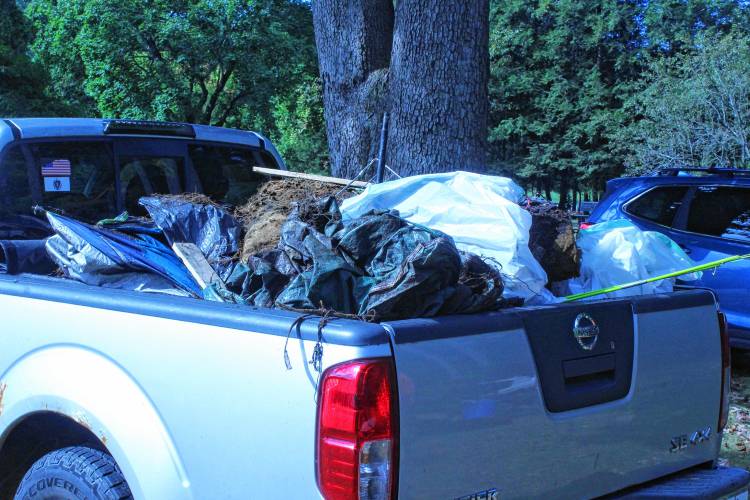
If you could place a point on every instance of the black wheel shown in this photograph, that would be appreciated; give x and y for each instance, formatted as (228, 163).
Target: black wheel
(74, 473)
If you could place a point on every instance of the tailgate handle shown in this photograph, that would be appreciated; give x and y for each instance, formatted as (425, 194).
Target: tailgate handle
(591, 369)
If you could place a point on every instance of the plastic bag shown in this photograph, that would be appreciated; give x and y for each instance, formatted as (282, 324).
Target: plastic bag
(481, 214)
(618, 252)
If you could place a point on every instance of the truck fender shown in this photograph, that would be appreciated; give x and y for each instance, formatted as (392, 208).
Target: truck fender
(100, 395)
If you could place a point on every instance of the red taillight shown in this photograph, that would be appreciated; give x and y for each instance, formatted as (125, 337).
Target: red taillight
(585, 225)
(357, 431)
(726, 371)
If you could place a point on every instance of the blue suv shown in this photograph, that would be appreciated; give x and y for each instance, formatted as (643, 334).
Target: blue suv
(704, 210)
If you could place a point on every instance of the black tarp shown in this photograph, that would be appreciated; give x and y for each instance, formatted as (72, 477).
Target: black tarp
(209, 227)
(378, 266)
(25, 256)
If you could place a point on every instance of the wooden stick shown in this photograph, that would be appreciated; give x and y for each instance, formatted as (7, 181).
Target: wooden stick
(196, 263)
(310, 177)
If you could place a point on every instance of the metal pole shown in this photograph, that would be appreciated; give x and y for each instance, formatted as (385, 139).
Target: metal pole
(380, 171)
(694, 269)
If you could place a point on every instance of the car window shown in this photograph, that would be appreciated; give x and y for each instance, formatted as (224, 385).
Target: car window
(143, 176)
(226, 174)
(660, 205)
(15, 193)
(76, 178)
(720, 211)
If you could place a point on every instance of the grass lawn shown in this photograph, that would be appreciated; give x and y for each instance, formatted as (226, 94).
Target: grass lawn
(736, 446)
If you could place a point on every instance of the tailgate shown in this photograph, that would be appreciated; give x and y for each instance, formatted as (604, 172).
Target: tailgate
(514, 402)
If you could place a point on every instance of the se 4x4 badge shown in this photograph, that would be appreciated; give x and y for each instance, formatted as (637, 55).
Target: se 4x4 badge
(679, 443)
(490, 494)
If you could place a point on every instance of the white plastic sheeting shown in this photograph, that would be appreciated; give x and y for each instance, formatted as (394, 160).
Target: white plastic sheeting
(481, 214)
(618, 252)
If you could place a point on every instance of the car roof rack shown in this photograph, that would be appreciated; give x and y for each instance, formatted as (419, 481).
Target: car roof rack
(720, 171)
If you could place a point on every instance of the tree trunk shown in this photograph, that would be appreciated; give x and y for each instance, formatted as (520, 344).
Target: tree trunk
(354, 40)
(438, 86)
(564, 188)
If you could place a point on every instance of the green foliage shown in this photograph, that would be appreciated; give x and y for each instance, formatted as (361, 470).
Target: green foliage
(567, 76)
(227, 62)
(23, 83)
(56, 27)
(675, 25)
(696, 109)
(560, 71)
(301, 136)
(579, 88)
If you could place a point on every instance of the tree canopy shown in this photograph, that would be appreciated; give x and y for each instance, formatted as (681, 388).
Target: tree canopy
(579, 90)
(23, 83)
(239, 63)
(696, 109)
(568, 78)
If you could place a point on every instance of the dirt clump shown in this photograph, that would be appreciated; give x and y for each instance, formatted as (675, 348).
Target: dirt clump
(265, 212)
(553, 242)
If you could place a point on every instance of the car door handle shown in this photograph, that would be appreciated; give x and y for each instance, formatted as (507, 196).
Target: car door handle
(685, 248)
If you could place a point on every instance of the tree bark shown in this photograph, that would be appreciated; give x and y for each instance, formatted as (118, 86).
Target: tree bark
(564, 189)
(438, 86)
(354, 40)
(548, 188)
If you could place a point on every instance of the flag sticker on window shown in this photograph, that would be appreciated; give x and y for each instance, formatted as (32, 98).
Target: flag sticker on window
(56, 174)
(55, 168)
(57, 184)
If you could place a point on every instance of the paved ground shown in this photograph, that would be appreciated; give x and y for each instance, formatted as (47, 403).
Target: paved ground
(736, 446)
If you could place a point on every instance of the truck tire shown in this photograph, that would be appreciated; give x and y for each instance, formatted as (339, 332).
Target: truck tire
(74, 473)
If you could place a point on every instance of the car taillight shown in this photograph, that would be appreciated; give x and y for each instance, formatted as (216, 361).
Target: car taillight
(585, 225)
(357, 431)
(726, 371)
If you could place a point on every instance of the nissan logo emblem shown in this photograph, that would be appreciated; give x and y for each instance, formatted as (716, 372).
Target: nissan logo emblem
(585, 331)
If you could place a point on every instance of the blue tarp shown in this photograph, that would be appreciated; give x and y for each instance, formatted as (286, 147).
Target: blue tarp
(104, 257)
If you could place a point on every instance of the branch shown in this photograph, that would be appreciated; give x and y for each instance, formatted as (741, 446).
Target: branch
(150, 45)
(204, 90)
(230, 108)
(211, 106)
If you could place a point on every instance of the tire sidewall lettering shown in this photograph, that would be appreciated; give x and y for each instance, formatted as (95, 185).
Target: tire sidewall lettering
(54, 482)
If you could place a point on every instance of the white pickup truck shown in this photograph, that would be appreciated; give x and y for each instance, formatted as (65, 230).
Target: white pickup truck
(113, 394)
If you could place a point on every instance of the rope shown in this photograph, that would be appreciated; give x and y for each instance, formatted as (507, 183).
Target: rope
(355, 178)
(393, 172)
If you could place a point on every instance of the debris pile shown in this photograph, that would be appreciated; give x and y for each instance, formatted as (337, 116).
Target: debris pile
(132, 257)
(416, 247)
(552, 240)
(480, 212)
(266, 211)
(378, 266)
(618, 252)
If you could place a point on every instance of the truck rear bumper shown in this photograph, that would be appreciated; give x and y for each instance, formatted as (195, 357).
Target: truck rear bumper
(693, 484)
